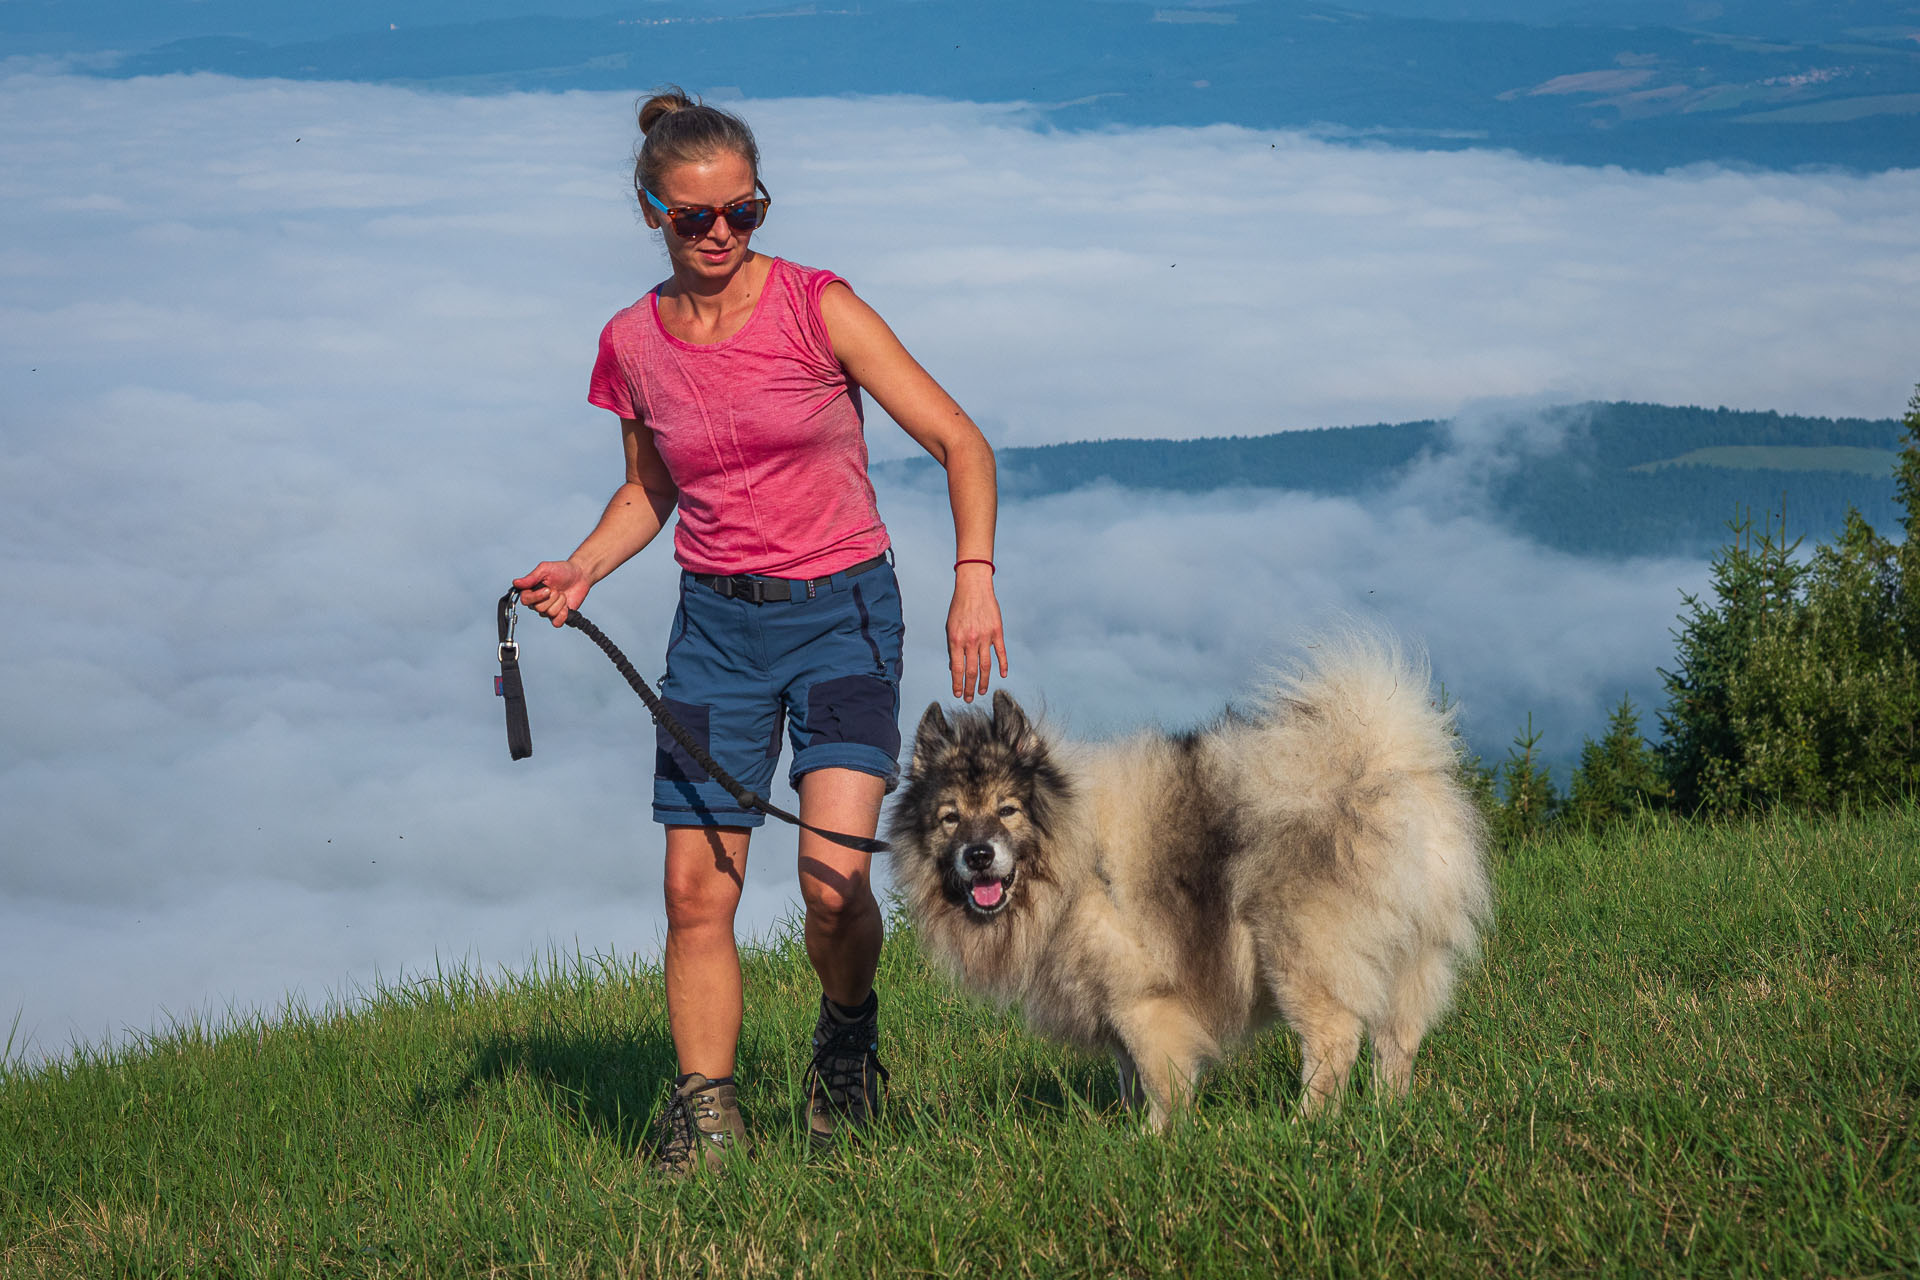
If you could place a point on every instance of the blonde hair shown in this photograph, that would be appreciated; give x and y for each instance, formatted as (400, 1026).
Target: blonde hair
(676, 130)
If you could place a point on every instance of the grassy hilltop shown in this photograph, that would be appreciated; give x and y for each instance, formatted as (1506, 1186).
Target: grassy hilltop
(1689, 1048)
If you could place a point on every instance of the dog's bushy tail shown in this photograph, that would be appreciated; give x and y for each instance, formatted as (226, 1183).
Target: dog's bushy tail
(1354, 734)
(1364, 702)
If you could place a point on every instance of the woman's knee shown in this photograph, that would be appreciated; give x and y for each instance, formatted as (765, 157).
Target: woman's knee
(703, 886)
(695, 903)
(836, 903)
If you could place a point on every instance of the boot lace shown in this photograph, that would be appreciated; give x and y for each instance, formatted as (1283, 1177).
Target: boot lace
(679, 1134)
(839, 1071)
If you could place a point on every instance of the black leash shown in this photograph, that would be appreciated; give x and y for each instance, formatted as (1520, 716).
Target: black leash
(520, 735)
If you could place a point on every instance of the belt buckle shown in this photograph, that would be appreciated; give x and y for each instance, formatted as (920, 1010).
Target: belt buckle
(752, 590)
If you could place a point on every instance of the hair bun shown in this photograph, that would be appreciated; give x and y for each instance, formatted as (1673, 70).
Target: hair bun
(676, 130)
(664, 103)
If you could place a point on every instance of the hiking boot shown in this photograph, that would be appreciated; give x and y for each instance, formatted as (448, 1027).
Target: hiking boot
(700, 1124)
(846, 1085)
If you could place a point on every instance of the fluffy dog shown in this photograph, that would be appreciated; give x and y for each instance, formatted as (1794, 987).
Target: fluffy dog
(1163, 896)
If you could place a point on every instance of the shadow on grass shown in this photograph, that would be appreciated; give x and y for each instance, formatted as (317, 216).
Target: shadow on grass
(1039, 1094)
(1075, 1089)
(609, 1083)
(1260, 1076)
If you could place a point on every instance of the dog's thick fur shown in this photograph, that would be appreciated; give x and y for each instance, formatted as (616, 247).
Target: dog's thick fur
(1163, 896)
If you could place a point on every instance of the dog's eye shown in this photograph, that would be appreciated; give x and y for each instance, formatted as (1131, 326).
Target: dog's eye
(1008, 810)
(949, 819)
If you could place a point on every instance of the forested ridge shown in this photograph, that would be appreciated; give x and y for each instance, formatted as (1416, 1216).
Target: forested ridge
(1565, 476)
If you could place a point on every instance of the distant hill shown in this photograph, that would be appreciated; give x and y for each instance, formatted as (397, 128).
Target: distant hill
(1603, 479)
(1637, 83)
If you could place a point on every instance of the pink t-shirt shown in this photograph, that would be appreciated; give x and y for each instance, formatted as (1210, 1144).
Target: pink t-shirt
(763, 433)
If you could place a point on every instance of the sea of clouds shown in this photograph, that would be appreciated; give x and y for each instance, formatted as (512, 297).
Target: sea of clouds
(292, 381)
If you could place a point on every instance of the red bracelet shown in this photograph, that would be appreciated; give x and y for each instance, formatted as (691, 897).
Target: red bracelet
(988, 563)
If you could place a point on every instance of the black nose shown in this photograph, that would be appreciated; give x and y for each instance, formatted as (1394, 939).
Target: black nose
(978, 856)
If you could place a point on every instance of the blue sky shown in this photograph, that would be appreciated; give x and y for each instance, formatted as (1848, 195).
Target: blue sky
(294, 380)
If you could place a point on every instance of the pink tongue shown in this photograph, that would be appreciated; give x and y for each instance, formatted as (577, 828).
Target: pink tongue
(987, 892)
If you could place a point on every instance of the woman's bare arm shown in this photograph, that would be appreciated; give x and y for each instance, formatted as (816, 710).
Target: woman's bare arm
(634, 516)
(882, 366)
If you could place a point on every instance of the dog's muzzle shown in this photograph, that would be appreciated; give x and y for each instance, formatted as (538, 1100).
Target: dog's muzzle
(985, 874)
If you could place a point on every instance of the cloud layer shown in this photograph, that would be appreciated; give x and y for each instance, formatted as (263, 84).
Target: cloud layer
(293, 381)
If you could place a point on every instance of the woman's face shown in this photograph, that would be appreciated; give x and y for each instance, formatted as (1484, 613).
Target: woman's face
(720, 180)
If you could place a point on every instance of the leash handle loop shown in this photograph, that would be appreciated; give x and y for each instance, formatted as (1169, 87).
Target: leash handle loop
(507, 684)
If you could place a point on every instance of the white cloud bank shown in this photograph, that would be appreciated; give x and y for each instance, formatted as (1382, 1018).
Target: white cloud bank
(292, 380)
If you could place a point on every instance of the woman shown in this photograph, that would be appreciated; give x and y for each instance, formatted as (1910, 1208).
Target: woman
(738, 385)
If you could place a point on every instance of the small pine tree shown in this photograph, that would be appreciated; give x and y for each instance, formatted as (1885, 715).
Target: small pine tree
(1527, 802)
(1618, 776)
(1754, 587)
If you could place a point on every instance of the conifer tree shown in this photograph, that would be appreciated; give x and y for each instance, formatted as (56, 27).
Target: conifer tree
(1528, 802)
(1828, 701)
(1754, 590)
(1618, 776)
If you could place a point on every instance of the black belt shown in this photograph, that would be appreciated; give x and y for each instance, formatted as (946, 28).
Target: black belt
(757, 590)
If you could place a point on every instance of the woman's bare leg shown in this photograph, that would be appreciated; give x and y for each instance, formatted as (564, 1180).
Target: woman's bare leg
(844, 928)
(706, 868)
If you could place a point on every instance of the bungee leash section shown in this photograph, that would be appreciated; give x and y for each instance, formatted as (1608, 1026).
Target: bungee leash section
(520, 736)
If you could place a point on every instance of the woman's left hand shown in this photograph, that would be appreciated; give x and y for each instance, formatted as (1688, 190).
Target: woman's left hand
(974, 635)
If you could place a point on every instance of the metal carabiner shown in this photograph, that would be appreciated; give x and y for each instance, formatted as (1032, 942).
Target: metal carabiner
(510, 648)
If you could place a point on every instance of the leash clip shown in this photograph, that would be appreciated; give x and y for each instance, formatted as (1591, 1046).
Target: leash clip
(510, 648)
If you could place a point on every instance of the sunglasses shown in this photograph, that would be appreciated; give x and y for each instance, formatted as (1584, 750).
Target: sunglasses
(691, 221)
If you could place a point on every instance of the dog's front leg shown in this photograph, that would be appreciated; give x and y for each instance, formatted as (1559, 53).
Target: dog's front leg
(1166, 1084)
(1166, 1048)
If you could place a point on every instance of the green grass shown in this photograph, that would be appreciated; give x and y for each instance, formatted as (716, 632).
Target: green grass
(1687, 1049)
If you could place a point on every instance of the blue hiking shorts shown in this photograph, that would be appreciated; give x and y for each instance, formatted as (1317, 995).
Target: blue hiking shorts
(826, 662)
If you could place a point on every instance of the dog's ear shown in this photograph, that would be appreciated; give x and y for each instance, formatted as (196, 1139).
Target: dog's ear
(934, 732)
(1011, 726)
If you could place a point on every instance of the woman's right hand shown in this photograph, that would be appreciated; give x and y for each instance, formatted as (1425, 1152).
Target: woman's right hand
(554, 589)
